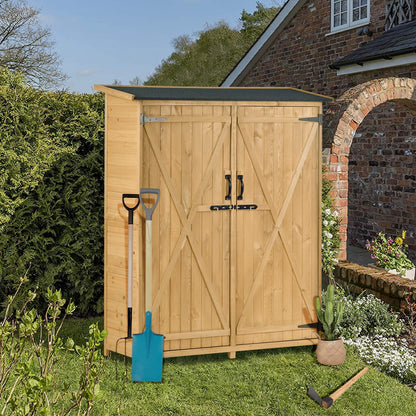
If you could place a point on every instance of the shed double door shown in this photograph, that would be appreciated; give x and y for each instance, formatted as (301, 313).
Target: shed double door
(236, 235)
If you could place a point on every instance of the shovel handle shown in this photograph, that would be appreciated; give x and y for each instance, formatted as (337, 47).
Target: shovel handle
(132, 208)
(149, 210)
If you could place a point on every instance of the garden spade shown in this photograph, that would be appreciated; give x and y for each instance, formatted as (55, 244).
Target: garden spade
(147, 352)
(130, 208)
(328, 401)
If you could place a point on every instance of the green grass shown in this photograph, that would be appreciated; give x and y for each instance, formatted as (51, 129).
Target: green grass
(271, 382)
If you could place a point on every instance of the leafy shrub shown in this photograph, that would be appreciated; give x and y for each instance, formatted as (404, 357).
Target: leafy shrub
(373, 330)
(52, 208)
(27, 150)
(31, 352)
(367, 315)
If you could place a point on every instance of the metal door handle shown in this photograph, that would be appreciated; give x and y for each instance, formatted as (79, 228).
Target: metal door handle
(240, 178)
(228, 196)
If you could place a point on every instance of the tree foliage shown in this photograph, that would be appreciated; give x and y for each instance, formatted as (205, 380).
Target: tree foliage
(26, 46)
(51, 203)
(208, 59)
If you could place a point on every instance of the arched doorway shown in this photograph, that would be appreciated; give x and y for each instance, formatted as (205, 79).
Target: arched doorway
(344, 118)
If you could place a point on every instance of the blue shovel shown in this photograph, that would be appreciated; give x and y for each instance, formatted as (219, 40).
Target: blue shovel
(147, 350)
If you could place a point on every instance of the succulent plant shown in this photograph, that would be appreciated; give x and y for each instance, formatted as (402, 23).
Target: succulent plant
(329, 313)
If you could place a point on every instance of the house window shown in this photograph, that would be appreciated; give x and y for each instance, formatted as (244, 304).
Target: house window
(346, 14)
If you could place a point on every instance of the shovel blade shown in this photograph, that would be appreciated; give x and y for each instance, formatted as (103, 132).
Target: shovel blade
(147, 354)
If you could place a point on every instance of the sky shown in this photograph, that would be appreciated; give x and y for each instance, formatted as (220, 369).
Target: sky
(100, 41)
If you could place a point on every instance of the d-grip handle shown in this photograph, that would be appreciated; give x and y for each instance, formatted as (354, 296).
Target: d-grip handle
(228, 196)
(149, 210)
(131, 209)
(240, 178)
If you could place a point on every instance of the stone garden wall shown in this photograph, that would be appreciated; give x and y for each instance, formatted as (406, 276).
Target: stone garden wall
(387, 287)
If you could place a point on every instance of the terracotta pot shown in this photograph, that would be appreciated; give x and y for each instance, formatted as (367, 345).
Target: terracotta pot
(330, 352)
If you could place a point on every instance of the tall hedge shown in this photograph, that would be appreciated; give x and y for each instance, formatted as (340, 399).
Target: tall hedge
(51, 198)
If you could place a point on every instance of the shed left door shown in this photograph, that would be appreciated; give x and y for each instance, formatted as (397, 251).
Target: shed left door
(187, 156)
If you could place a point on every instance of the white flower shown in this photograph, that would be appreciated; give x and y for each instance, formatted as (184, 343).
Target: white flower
(325, 223)
(327, 211)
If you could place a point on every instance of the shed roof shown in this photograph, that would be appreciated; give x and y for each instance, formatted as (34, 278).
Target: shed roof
(213, 94)
(397, 41)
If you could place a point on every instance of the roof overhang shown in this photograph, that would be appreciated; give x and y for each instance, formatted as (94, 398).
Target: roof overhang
(400, 60)
(289, 9)
(211, 93)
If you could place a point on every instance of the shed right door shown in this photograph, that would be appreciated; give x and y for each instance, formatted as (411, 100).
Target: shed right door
(278, 244)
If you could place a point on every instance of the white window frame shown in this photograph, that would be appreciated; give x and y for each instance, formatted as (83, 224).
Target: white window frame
(350, 24)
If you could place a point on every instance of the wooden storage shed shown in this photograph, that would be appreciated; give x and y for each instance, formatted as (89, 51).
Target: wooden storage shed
(236, 234)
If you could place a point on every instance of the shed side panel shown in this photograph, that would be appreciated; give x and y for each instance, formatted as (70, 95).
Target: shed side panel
(122, 155)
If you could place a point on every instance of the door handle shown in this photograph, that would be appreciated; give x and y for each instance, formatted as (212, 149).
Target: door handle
(228, 196)
(240, 178)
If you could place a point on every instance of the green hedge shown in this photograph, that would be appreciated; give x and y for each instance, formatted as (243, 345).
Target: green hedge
(51, 198)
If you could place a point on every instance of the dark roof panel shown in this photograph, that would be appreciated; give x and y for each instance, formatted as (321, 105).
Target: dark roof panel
(219, 94)
(399, 40)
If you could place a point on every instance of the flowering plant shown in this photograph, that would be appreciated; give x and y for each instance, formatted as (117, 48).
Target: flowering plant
(390, 253)
(330, 229)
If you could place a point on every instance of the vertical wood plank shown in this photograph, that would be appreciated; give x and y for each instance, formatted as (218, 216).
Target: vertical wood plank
(165, 224)
(176, 175)
(198, 168)
(235, 295)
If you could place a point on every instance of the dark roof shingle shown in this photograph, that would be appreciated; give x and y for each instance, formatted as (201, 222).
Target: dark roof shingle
(399, 40)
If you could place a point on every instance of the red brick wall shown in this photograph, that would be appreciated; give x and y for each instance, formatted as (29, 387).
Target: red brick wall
(382, 176)
(300, 58)
(301, 54)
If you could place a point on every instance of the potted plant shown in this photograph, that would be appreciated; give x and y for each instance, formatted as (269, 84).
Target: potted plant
(390, 254)
(330, 349)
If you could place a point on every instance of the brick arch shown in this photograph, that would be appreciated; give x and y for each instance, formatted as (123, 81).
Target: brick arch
(343, 118)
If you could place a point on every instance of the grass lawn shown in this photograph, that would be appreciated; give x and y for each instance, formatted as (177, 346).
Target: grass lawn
(270, 382)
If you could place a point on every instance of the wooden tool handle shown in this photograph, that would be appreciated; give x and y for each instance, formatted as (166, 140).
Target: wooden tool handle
(336, 394)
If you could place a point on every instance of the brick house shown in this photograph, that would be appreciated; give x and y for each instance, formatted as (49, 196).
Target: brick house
(363, 54)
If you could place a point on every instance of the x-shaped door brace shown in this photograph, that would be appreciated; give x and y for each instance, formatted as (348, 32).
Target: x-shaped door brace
(277, 217)
(186, 221)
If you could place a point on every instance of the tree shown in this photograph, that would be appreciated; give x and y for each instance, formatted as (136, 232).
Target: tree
(136, 81)
(26, 46)
(203, 62)
(208, 59)
(254, 24)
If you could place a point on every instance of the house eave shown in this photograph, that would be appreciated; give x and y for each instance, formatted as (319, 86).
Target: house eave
(386, 62)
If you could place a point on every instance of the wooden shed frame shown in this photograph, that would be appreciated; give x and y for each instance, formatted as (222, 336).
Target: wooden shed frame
(231, 272)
